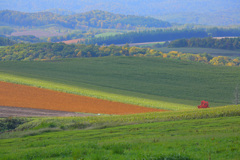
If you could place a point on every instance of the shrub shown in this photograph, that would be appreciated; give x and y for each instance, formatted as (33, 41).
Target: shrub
(10, 123)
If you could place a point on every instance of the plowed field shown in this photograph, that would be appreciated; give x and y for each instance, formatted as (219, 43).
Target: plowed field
(16, 95)
(73, 41)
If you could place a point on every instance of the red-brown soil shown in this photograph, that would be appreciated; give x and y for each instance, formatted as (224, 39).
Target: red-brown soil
(73, 41)
(31, 97)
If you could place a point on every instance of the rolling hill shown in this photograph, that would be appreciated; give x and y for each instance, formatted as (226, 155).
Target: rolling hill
(146, 81)
(186, 135)
(217, 12)
(94, 19)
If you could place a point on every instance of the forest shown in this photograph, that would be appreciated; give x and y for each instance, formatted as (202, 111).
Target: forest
(147, 36)
(223, 43)
(26, 39)
(162, 35)
(6, 42)
(94, 19)
(56, 51)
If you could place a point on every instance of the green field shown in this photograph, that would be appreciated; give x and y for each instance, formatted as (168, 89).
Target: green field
(180, 135)
(214, 52)
(107, 34)
(151, 44)
(146, 81)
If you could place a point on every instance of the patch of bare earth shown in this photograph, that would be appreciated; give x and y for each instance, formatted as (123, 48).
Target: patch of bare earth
(29, 112)
(31, 97)
(74, 41)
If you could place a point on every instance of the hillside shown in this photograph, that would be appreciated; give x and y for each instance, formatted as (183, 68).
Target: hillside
(185, 135)
(147, 81)
(217, 12)
(94, 19)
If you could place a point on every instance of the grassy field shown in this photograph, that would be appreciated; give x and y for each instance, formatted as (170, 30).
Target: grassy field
(199, 134)
(107, 34)
(214, 52)
(96, 122)
(152, 82)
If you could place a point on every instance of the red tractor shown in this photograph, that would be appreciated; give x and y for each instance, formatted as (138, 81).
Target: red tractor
(204, 104)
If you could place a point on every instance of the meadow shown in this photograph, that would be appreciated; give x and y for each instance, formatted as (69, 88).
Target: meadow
(145, 81)
(182, 135)
(106, 34)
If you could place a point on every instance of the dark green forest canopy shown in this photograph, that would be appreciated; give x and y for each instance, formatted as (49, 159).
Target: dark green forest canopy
(26, 39)
(94, 19)
(224, 43)
(163, 35)
(6, 42)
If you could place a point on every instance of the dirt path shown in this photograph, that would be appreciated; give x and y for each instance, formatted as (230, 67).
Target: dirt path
(31, 97)
(29, 112)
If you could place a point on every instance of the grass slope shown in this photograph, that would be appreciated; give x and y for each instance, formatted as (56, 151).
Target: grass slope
(173, 135)
(139, 80)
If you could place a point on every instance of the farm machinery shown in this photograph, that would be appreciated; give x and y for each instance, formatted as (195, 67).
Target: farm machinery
(204, 104)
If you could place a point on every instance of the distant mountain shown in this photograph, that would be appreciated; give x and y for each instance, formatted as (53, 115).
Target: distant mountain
(185, 8)
(94, 19)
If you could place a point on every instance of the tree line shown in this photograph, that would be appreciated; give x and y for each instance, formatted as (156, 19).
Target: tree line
(71, 36)
(223, 43)
(6, 42)
(25, 39)
(94, 19)
(147, 36)
(55, 51)
(162, 35)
